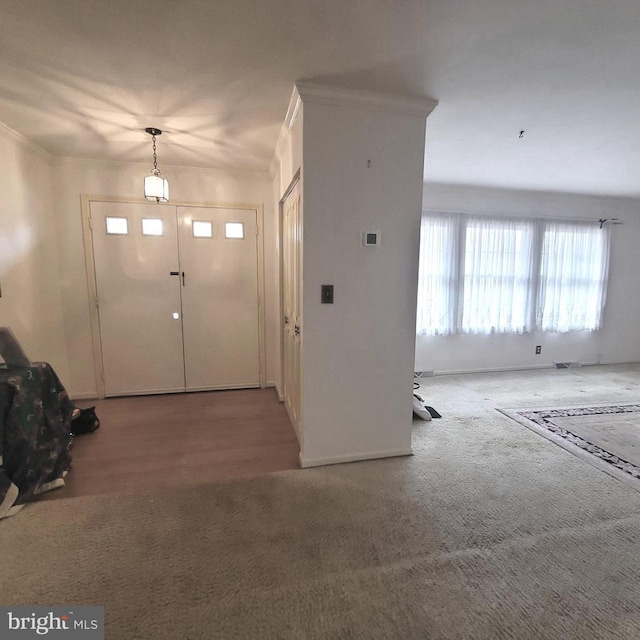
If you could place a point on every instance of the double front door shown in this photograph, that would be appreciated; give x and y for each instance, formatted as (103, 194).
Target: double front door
(177, 297)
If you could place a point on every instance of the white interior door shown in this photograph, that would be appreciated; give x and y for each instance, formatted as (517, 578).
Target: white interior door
(139, 302)
(291, 259)
(219, 258)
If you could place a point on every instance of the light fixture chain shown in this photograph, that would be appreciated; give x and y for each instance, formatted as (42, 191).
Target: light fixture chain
(155, 155)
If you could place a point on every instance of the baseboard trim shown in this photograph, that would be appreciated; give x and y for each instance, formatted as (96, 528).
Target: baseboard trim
(85, 395)
(233, 387)
(277, 388)
(551, 365)
(305, 463)
(455, 372)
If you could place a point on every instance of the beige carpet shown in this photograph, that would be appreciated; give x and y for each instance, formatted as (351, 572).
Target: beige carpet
(489, 531)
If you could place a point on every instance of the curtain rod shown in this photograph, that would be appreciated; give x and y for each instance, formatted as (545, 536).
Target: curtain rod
(600, 221)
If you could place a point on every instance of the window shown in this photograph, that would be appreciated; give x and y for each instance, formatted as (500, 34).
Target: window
(573, 277)
(483, 274)
(202, 229)
(234, 230)
(497, 272)
(117, 226)
(152, 227)
(437, 299)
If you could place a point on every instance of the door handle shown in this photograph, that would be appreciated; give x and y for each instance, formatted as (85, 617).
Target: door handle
(177, 273)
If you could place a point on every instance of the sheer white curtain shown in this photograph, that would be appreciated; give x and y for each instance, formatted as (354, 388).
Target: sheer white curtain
(438, 274)
(573, 276)
(498, 268)
(490, 274)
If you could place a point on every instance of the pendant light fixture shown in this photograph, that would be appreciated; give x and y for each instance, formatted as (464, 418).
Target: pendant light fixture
(155, 186)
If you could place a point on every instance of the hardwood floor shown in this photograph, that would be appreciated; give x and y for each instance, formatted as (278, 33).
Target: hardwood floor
(150, 442)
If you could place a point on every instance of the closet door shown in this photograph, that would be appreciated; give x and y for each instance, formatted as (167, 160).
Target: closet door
(219, 258)
(291, 261)
(135, 252)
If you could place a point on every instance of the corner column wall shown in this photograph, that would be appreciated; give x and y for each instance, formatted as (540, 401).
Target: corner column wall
(363, 158)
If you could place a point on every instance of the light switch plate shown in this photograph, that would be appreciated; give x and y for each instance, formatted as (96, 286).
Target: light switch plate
(326, 294)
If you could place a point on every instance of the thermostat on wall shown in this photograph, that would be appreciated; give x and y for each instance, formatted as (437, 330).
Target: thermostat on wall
(370, 238)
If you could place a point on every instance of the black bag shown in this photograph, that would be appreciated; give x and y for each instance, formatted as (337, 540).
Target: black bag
(86, 422)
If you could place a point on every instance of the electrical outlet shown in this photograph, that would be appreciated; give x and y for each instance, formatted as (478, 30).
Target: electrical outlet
(538, 349)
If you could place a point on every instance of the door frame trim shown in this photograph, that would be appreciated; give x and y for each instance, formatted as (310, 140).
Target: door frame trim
(297, 180)
(285, 195)
(92, 289)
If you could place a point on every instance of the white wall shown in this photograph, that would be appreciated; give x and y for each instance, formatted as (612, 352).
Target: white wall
(618, 340)
(74, 177)
(29, 266)
(358, 353)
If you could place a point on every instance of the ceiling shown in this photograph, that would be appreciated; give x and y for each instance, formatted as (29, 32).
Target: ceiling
(83, 78)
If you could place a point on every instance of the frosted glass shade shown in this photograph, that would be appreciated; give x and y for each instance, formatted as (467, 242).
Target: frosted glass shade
(156, 188)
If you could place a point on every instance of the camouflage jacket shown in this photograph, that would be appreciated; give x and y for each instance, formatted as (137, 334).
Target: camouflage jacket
(35, 439)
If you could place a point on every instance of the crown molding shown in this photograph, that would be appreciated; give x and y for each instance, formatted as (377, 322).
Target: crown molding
(338, 96)
(295, 103)
(12, 134)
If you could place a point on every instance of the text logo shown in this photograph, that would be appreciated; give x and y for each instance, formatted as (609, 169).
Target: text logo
(73, 623)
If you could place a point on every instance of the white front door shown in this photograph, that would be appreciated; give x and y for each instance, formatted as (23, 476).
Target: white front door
(138, 299)
(177, 294)
(219, 257)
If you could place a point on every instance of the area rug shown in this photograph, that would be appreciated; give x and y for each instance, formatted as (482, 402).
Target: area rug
(606, 436)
